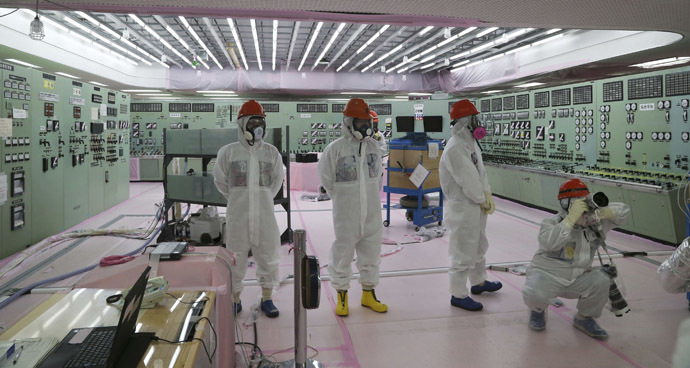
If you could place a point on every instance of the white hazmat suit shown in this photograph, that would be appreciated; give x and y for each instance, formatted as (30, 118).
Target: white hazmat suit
(250, 176)
(674, 275)
(350, 170)
(464, 183)
(563, 264)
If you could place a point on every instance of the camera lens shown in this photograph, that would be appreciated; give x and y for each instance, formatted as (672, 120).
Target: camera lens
(618, 305)
(600, 199)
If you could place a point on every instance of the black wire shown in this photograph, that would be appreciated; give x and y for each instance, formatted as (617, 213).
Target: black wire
(251, 344)
(4, 15)
(156, 338)
(148, 246)
(256, 340)
(210, 358)
(215, 348)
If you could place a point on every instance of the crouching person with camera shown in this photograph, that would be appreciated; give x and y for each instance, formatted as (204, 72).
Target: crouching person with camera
(562, 267)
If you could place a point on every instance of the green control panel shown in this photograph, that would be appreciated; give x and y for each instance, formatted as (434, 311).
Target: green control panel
(68, 139)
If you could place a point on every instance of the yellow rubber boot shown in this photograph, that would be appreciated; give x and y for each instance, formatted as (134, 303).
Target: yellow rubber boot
(341, 308)
(369, 300)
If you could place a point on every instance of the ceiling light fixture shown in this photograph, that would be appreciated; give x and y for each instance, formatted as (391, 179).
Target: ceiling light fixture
(428, 65)
(154, 94)
(550, 31)
(201, 43)
(374, 37)
(419, 94)
(215, 91)
(159, 38)
(23, 63)
(518, 49)
(141, 90)
(494, 57)
(396, 49)
(220, 95)
(346, 45)
(98, 84)
(425, 30)
(662, 62)
(358, 93)
(231, 23)
(493, 91)
(486, 31)
(311, 43)
(342, 66)
(530, 84)
(67, 75)
(328, 45)
(36, 27)
(462, 54)
(275, 42)
(547, 39)
(295, 31)
(256, 43)
(461, 63)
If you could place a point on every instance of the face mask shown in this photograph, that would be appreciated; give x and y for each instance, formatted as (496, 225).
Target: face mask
(364, 129)
(478, 132)
(257, 132)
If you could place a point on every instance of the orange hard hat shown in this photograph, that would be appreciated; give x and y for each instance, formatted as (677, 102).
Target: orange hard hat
(462, 108)
(374, 116)
(252, 108)
(357, 108)
(573, 188)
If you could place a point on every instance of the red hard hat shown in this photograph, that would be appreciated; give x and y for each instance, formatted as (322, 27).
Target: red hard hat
(573, 188)
(251, 107)
(374, 116)
(462, 108)
(357, 108)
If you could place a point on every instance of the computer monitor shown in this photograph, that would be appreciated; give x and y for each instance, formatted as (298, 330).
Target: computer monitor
(433, 123)
(404, 124)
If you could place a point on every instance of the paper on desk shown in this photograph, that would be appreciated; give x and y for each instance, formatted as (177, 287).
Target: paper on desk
(433, 150)
(418, 175)
(33, 353)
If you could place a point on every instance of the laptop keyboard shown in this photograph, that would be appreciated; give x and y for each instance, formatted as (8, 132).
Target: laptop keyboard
(95, 349)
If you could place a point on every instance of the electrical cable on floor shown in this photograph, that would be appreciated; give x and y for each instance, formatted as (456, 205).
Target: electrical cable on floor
(28, 288)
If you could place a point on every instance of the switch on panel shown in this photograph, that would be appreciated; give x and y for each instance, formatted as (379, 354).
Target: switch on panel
(17, 217)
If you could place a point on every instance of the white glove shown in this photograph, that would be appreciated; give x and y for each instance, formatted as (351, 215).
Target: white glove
(492, 205)
(577, 208)
(606, 213)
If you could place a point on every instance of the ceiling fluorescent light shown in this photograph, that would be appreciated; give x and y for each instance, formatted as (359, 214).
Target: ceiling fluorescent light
(342, 66)
(201, 43)
(486, 31)
(89, 18)
(67, 75)
(550, 31)
(24, 62)
(215, 91)
(141, 90)
(231, 23)
(530, 84)
(338, 99)
(428, 65)
(482, 47)
(475, 63)
(419, 94)
(461, 63)
(448, 40)
(98, 84)
(403, 70)
(462, 54)
(55, 24)
(275, 43)
(374, 37)
(328, 45)
(493, 91)
(427, 58)
(83, 38)
(256, 43)
(425, 30)
(311, 43)
(77, 24)
(154, 94)
(547, 39)
(220, 95)
(224, 98)
(494, 57)
(110, 31)
(174, 34)
(663, 62)
(357, 93)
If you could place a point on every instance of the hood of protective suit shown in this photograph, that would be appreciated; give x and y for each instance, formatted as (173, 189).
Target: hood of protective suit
(242, 126)
(460, 129)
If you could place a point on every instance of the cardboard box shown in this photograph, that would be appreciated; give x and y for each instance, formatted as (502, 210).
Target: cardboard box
(410, 158)
(398, 179)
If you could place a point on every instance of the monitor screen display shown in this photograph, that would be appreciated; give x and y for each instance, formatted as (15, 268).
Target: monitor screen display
(404, 123)
(433, 123)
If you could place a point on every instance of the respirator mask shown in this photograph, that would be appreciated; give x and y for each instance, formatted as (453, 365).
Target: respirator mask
(361, 128)
(255, 129)
(478, 131)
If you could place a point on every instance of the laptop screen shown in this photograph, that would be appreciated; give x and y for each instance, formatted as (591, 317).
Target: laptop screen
(128, 317)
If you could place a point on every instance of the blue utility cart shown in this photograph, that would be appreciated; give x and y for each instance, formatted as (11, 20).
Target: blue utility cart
(406, 153)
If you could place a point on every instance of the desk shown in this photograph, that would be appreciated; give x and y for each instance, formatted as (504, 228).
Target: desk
(87, 308)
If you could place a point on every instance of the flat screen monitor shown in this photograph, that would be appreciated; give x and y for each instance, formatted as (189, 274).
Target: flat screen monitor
(404, 123)
(433, 123)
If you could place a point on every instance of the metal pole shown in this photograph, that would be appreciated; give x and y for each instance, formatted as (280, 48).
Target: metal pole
(301, 360)
(300, 312)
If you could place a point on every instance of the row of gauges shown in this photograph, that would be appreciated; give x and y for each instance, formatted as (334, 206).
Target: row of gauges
(584, 113)
(588, 130)
(17, 85)
(17, 95)
(661, 136)
(635, 136)
(605, 108)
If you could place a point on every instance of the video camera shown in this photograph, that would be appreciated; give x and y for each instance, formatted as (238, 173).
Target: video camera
(618, 305)
(596, 201)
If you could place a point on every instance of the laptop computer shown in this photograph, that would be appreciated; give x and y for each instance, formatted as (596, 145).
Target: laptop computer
(106, 347)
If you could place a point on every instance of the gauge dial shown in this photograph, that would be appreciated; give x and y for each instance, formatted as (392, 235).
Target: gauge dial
(603, 126)
(583, 139)
(667, 136)
(633, 106)
(602, 144)
(660, 105)
(577, 112)
(608, 108)
(627, 107)
(654, 135)
(602, 108)
(608, 135)
(628, 145)
(684, 103)
(627, 135)
(590, 130)
(667, 104)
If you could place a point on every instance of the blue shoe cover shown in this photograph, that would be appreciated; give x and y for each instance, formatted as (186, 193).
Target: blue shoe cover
(537, 320)
(466, 303)
(269, 308)
(589, 326)
(236, 308)
(489, 286)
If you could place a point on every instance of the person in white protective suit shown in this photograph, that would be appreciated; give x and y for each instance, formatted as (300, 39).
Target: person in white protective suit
(249, 173)
(350, 170)
(562, 266)
(465, 184)
(674, 274)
